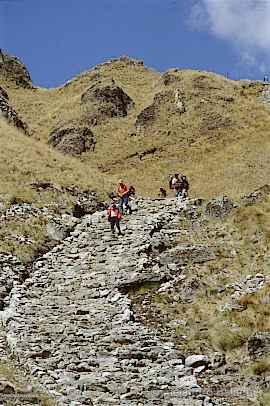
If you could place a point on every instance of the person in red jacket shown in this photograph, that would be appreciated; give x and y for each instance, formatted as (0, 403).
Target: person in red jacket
(123, 193)
(114, 217)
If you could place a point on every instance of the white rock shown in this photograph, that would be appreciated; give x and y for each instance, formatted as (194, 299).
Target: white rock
(196, 360)
(200, 369)
(187, 382)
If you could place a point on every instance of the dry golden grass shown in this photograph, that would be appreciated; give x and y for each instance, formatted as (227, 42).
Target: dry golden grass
(24, 160)
(227, 160)
(230, 159)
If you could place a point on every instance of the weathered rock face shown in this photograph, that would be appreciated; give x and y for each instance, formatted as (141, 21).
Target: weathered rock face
(72, 324)
(220, 207)
(12, 273)
(10, 114)
(146, 117)
(73, 140)
(212, 120)
(59, 228)
(85, 201)
(108, 101)
(3, 93)
(11, 68)
(257, 196)
(259, 345)
(172, 101)
(168, 78)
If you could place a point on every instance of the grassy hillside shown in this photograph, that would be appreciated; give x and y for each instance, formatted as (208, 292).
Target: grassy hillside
(221, 141)
(213, 129)
(24, 161)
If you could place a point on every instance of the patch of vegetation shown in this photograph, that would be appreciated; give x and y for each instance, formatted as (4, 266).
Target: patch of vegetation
(264, 399)
(261, 367)
(23, 238)
(226, 338)
(23, 386)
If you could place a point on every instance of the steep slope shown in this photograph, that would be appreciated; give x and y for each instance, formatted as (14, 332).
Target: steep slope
(36, 178)
(213, 129)
(98, 319)
(174, 313)
(81, 338)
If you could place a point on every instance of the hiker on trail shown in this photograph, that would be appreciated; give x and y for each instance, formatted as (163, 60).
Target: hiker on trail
(131, 191)
(184, 187)
(179, 184)
(176, 184)
(123, 193)
(114, 217)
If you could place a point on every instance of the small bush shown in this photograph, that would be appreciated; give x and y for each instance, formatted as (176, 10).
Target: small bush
(264, 399)
(226, 339)
(260, 367)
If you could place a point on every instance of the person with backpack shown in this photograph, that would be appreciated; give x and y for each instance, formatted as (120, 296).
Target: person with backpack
(123, 193)
(176, 184)
(184, 187)
(114, 217)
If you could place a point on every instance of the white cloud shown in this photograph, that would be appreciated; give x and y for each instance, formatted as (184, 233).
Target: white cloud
(245, 23)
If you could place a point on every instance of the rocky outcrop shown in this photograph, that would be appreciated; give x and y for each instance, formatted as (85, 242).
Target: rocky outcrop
(220, 207)
(73, 140)
(12, 274)
(146, 117)
(172, 101)
(3, 93)
(257, 196)
(73, 326)
(11, 68)
(168, 78)
(59, 228)
(107, 101)
(259, 345)
(85, 201)
(10, 114)
(212, 120)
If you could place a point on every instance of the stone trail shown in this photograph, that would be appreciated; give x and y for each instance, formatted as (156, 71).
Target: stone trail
(71, 322)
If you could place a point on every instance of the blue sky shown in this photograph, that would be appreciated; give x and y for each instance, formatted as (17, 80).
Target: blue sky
(58, 39)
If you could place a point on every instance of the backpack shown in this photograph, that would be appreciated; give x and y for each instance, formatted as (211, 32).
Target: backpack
(170, 181)
(185, 184)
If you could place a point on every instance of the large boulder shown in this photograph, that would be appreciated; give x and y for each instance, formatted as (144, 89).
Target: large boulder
(58, 228)
(12, 69)
(73, 140)
(195, 361)
(106, 101)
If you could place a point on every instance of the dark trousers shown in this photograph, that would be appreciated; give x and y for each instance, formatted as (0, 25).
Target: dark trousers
(124, 202)
(115, 222)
